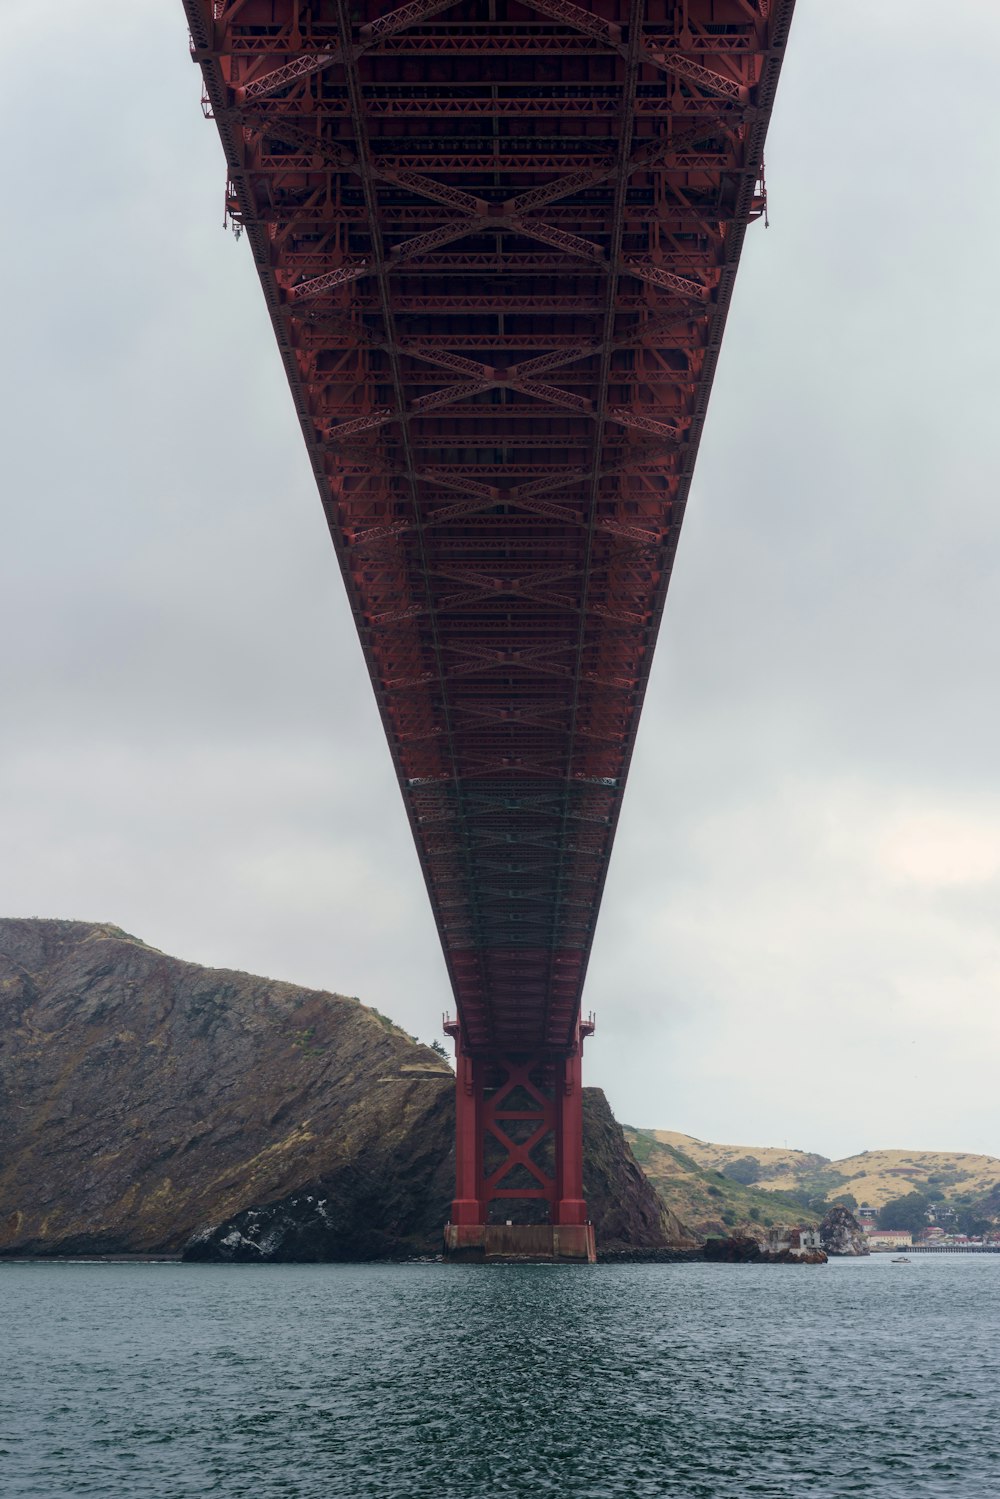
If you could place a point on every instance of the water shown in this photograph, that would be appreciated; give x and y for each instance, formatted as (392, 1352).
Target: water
(685, 1381)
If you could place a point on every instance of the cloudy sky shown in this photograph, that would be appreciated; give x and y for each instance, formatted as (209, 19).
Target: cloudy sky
(800, 938)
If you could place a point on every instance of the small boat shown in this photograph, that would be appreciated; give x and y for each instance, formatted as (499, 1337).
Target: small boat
(901, 1259)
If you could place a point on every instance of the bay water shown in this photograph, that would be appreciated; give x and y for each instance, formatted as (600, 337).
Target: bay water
(430, 1381)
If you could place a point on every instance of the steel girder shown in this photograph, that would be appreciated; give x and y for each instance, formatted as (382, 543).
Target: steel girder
(498, 243)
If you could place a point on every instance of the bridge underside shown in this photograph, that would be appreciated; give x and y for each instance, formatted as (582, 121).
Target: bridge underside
(498, 240)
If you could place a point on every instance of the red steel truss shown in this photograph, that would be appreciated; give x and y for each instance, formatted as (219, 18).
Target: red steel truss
(498, 240)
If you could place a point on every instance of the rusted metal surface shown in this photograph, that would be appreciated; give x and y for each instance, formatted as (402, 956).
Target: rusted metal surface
(498, 243)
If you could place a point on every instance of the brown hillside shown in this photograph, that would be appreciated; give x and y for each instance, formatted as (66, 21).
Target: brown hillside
(878, 1176)
(874, 1177)
(774, 1162)
(142, 1097)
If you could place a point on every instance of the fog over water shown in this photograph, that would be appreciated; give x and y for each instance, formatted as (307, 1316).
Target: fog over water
(799, 940)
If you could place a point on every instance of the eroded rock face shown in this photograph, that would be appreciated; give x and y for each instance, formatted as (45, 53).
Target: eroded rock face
(841, 1233)
(361, 1212)
(142, 1097)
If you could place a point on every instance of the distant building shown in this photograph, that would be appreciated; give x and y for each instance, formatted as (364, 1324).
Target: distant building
(793, 1241)
(889, 1238)
(866, 1215)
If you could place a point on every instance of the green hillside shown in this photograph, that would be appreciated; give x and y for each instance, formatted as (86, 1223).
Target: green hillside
(706, 1199)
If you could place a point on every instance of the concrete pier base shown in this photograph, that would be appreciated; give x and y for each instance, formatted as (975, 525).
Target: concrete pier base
(527, 1243)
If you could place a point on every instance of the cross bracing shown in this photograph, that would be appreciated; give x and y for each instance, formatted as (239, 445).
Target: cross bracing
(498, 241)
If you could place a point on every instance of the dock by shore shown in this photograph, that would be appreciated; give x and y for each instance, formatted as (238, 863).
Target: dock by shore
(942, 1249)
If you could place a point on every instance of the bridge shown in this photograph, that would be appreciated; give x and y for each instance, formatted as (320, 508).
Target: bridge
(498, 241)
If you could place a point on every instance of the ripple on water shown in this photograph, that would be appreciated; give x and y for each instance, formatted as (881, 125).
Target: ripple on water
(437, 1382)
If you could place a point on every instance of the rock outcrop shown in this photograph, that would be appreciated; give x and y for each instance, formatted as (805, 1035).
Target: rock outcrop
(744, 1249)
(841, 1234)
(142, 1098)
(734, 1249)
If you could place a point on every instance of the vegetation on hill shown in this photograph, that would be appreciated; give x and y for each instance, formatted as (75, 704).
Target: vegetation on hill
(711, 1201)
(970, 1184)
(915, 1210)
(877, 1177)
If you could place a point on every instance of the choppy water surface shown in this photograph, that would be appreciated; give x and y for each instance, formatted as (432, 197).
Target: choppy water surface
(370, 1382)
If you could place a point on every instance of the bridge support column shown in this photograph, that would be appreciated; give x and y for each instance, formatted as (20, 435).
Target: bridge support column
(519, 1155)
(570, 1206)
(468, 1206)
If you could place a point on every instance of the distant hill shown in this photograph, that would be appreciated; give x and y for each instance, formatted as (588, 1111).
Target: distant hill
(772, 1161)
(874, 1177)
(877, 1176)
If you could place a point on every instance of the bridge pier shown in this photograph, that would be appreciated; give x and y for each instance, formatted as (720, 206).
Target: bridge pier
(519, 1155)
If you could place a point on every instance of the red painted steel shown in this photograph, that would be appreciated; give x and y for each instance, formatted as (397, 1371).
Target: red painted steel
(519, 1132)
(498, 240)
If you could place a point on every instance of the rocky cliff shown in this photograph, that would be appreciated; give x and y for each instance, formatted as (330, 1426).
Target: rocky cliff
(143, 1099)
(842, 1234)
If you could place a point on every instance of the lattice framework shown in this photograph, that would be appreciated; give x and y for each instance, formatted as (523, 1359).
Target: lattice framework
(498, 242)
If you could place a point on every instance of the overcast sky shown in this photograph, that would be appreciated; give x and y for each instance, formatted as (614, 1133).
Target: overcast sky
(799, 941)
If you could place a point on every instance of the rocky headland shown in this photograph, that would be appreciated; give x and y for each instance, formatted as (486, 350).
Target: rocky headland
(146, 1102)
